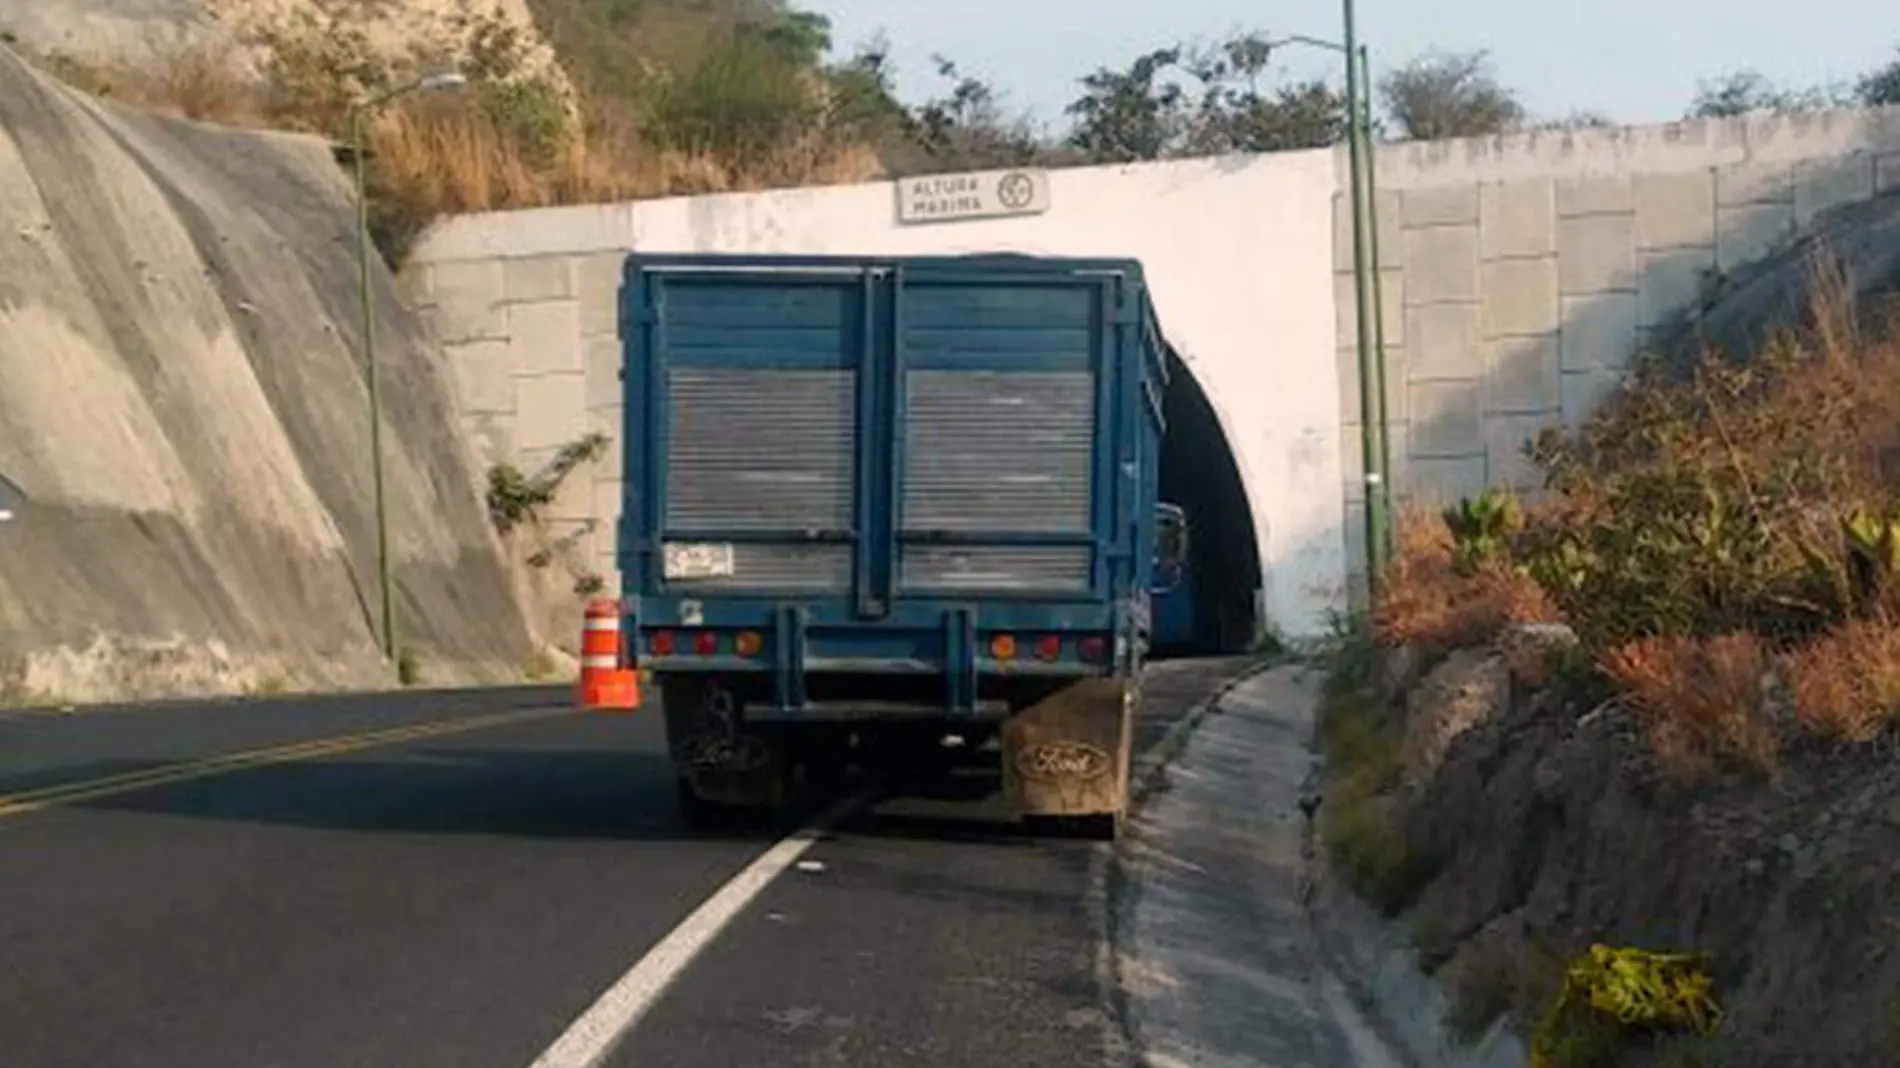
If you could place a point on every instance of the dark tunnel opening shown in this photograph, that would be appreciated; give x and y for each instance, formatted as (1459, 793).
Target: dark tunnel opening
(1213, 610)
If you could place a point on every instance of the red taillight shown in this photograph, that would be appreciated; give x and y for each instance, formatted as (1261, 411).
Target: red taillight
(661, 642)
(1093, 649)
(706, 644)
(1048, 647)
(1003, 647)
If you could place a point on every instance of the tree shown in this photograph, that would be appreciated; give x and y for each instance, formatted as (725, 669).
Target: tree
(1443, 95)
(1881, 88)
(1236, 115)
(1309, 114)
(966, 129)
(862, 96)
(1183, 101)
(1133, 114)
(1747, 91)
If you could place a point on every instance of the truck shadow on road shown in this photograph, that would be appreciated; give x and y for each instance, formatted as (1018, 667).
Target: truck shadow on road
(528, 793)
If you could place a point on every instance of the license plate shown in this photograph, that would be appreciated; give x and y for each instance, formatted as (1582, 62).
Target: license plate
(698, 561)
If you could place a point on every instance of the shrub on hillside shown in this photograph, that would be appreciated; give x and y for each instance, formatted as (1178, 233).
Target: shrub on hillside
(676, 100)
(1713, 528)
(1702, 701)
(1847, 682)
(1443, 591)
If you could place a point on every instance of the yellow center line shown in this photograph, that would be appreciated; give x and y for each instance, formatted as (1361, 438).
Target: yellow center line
(185, 771)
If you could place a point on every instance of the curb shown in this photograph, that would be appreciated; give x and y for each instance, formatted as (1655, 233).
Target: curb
(1149, 768)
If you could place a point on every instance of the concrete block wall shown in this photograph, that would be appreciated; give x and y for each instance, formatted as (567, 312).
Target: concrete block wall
(1518, 276)
(533, 348)
(1514, 300)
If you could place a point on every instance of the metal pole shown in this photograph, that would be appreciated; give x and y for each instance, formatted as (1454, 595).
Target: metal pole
(1368, 381)
(1371, 158)
(364, 293)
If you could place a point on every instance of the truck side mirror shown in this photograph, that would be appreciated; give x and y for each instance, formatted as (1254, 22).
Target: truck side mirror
(1171, 547)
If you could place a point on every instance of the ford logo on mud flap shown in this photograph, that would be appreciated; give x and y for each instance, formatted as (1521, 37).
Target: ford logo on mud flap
(714, 752)
(1063, 761)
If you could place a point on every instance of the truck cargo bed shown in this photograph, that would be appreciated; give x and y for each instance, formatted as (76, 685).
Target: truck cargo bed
(845, 469)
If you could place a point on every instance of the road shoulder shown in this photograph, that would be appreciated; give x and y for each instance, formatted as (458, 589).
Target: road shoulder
(1215, 955)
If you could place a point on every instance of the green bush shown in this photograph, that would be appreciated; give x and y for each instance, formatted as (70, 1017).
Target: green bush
(741, 103)
(515, 498)
(408, 666)
(1358, 824)
(1713, 502)
(1612, 997)
(1482, 529)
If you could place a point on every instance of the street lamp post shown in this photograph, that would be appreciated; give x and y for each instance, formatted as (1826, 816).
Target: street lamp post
(1377, 266)
(1368, 306)
(1371, 397)
(360, 115)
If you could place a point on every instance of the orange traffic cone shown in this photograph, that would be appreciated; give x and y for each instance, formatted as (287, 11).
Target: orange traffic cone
(604, 683)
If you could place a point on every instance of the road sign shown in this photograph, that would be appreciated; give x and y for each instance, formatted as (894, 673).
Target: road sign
(11, 500)
(938, 198)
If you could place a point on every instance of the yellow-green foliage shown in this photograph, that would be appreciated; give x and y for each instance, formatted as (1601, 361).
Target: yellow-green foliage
(1357, 826)
(1611, 996)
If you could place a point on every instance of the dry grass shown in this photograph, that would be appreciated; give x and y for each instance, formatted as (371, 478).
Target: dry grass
(1847, 682)
(200, 83)
(432, 158)
(430, 163)
(457, 161)
(1425, 600)
(1701, 700)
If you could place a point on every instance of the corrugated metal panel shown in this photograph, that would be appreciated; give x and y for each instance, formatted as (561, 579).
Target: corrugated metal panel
(991, 451)
(758, 566)
(753, 449)
(1038, 568)
(760, 449)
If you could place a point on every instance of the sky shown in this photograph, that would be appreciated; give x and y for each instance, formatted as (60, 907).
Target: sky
(1632, 61)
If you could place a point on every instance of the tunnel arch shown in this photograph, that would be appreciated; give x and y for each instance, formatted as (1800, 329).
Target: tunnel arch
(1200, 473)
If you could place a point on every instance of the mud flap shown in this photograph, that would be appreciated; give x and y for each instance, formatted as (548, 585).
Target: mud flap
(1068, 754)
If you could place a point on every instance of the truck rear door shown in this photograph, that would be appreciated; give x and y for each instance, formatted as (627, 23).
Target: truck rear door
(997, 459)
(866, 436)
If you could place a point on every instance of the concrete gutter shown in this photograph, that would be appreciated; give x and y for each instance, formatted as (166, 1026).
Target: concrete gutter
(1150, 767)
(1226, 941)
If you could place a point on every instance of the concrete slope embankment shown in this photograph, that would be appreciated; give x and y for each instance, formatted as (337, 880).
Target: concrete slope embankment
(182, 403)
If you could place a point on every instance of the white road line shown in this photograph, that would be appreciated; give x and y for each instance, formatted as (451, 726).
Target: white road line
(601, 1028)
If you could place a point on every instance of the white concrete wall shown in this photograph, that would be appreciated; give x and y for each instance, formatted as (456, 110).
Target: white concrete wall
(1519, 274)
(1238, 254)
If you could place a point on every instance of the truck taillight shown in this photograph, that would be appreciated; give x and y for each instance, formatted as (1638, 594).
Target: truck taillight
(748, 643)
(1093, 650)
(706, 643)
(1003, 647)
(1048, 647)
(661, 642)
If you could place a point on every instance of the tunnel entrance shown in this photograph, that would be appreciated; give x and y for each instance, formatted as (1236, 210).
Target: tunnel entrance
(1213, 609)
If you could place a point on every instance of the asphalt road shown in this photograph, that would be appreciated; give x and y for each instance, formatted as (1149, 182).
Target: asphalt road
(451, 879)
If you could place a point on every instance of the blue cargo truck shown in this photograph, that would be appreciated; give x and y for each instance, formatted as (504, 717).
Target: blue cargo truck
(876, 507)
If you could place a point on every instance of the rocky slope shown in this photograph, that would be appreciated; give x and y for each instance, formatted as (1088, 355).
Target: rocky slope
(148, 35)
(182, 404)
(1535, 826)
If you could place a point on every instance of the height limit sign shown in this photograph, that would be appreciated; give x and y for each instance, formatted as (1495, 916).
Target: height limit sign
(938, 198)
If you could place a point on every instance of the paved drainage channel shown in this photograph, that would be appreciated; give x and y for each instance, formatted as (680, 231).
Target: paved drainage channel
(1226, 944)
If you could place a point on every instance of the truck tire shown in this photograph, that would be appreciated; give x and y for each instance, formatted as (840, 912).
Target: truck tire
(697, 813)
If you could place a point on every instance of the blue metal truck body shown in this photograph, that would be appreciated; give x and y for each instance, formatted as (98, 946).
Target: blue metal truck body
(879, 466)
(885, 489)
